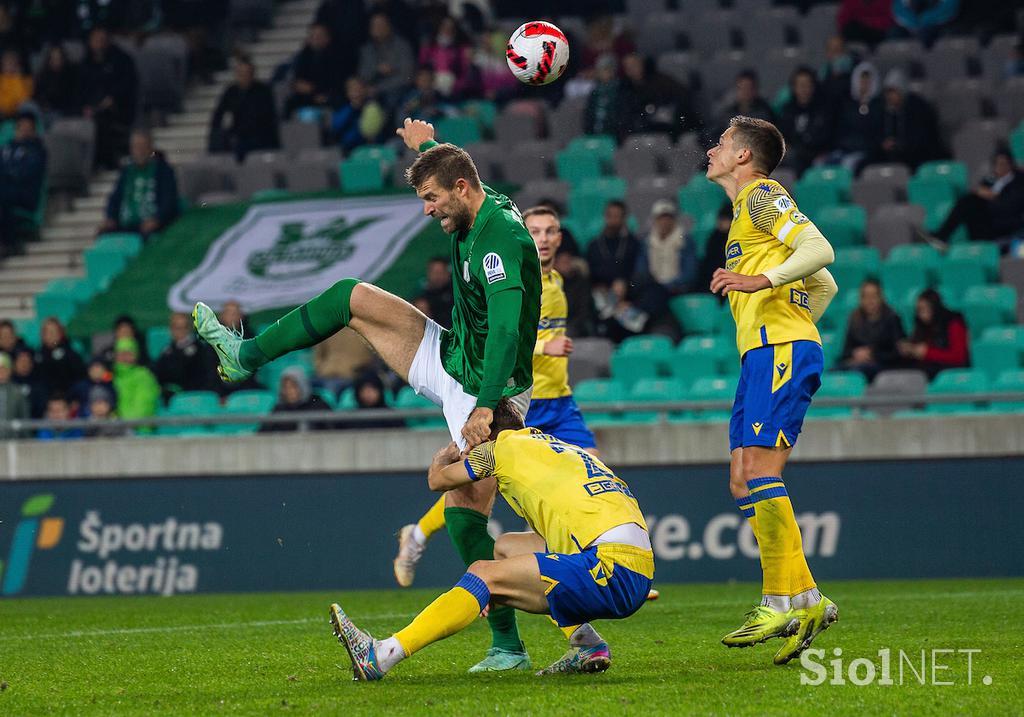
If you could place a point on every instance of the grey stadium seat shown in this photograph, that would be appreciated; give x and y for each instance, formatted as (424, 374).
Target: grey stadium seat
(680, 66)
(960, 101)
(1010, 100)
(515, 127)
(566, 121)
(770, 28)
(893, 224)
(712, 32)
(880, 184)
(899, 382)
(634, 162)
(976, 140)
(521, 168)
(254, 177)
(487, 156)
(718, 75)
(951, 58)
(297, 136)
(1011, 271)
(896, 53)
(660, 32)
(995, 54)
(590, 358)
(162, 64)
(642, 193)
(213, 199)
(302, 176)
(534, 192)
(818, 25)
(774, 69)
(686, 158)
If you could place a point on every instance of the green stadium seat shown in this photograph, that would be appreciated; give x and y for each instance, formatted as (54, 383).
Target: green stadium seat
(29, 222)
(848, 275)
(258, 402)
(982, 253)
(62, 298)
(408, 398)
(584, 228)
(935, 214)
(832, 346)
(698, 356)
(953, 173)
(128, 243)
(458, 130)
(697, 313)
(589, 197)
(990, 305)
(191, 403)
(838, 384)
(483, 111)
(813, 198)
(713, 388)
(958, 277)
(1017, 144)
(915, 254)
(642, 357)
(929, 191)
(701, 199)
(1010, 380)
(865, 256)
(655, 390)
(347, 400)
(829, 174)
(102, 265)
(270, 374)
(328, 397)
(1006, 332)
(378, 152)
(157, 339)
(993, 356)
(957, 380)
(270, 195)
(902, 279)
(601, 145)
(843, 224)
(361, 175)
(575, 166)
(28, 330)
(597, 391)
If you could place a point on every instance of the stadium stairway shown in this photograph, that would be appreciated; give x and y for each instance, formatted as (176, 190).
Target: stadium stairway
(69, 231)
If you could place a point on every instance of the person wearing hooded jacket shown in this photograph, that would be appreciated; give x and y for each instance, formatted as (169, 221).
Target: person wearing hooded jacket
(859, 120)
(295, 395)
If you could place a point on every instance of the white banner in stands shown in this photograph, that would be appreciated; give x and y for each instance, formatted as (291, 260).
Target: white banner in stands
(285, 253)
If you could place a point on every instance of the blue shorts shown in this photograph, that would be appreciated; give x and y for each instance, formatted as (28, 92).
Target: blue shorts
(561, 418)
(773, 394)
(580, 590)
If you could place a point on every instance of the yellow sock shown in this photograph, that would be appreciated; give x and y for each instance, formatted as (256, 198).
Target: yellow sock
(747, 509)
(433, 520)
(568, 631)
(776, 528)
(447, 615)
(800, 578)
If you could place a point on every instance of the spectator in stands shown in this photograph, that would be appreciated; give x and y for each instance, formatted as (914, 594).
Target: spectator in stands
(231, 315)
(124, 327)
(15, 83)
(423, 102)
(102, 405)
(805, 121)
(993, 210)
(386, 61)
(98, 375)
(9, 339)
(30, 381)
(491, 66)
(294, 395)
(58, 365)
(923, 19)
(859, 123)
(1014, 65)
(346, 20)
(873, 334)
(613, 253)
(360, 120)
(834, 75)
(56, 86)
(578, 293)
(22, 173)
(108, 86)
(370, 391)
(714, 250)
(605, 113)
(867, 21)
(939, 340)
(340, 358)
(437, 289)
(909, 125)
(58, 409)
(316, 75)
(13, 402)
(667, 256)
(145, 199)
(245, 119)
(450, 54)
(138, 393)
(186, 363)
(603, 39)
(747, 100)
(654, 101)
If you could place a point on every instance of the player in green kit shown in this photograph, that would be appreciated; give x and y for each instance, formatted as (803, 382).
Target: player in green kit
(487, 355)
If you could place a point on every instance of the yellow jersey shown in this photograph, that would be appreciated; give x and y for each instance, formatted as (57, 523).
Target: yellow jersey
(551, 373)
(765, 223)
(568, 496)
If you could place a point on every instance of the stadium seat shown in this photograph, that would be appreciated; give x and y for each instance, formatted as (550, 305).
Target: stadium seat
(329, 398)
(891, 225)
(28, 331)
(847, 275)
(361, 175)
(128, 243)
(989, 305)
(697, 313)
(597, 391)
(984, 253)
(956, 277)
(713, 388)
(838, 384)
(654, 390)
(1008, 381)
(812, 198)
(483, 111)
(957, 380)
(698, 356)
(995, 355)
(843, 225)
(102, 265)
(589, 197)
(270, 374)
(640, 357)
(602, 145)
(157, 339)
(379, 152)
(574, 166)
(191, 403)
(900, 280)
(908, 383)
(866, 257)
(832, 344)
(954, 174)
(929, 191)
(297, 136)
(922, 254)
(458, 130)
(62, 298)
(829, 174)
(408, 398)
(254, 401)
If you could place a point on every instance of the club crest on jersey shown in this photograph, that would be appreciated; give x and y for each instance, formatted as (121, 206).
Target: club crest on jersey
(494, 269)
(798, 218)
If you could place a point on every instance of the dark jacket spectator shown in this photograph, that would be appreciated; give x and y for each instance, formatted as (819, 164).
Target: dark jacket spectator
(9, 339)
(873, 334)
(245, 119)
(994, 209)
(347, 22)
(369, 391)
(605, 113)
(316, 77)
(56, 89)
(578, 293)
(603, 39)
(13, 402)
(185, 364)
(655, 102)
(437, 290)
(295, 395)
(423, 102)
(613, 253)
(386, 61)
(109, 87)
(859, 124)
(145, 199)
(450, 55)
(22, 170)
(868, 21)
(834, 75)
(58, 365)
(805, 121)
(124, 327)
(940, 338)
(667, 256)
(909, 125)
(360, 120)
(30, 381)
(99, 375)
(747, 100)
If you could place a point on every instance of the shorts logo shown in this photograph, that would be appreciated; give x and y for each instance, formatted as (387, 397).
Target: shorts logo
(799, 298)
(781, 368)
(757, 428)
(783, 204)
(494, 269)
(798, 218)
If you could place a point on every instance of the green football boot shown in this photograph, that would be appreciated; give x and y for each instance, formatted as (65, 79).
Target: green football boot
(762, 624)
(499, 660)
(224, 341)
(813, 621)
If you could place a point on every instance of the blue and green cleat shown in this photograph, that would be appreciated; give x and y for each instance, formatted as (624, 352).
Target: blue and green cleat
(501, 660)
(360, 645)
(225, 342)
(581, 660)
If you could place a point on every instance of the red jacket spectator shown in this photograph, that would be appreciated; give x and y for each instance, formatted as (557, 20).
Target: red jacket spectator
(451, 57)
(940, 339)
(865, 20)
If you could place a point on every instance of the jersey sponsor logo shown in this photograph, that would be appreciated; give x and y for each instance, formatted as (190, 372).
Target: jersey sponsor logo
(494, 269)
(798, 218)
(799, 298)
(733, 251)
(757, 428)
(607, 486)
(783, 204)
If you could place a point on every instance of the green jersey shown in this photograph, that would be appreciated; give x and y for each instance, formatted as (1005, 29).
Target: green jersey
(496, 255)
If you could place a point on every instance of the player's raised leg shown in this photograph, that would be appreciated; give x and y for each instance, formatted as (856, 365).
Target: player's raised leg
(412, 539)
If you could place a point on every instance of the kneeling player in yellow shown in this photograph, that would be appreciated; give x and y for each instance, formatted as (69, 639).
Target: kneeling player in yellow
(589, 558)
(777, 285)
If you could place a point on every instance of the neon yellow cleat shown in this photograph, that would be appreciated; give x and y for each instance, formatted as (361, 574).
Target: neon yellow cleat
(813, 621)
(223, 340)
(762, 624)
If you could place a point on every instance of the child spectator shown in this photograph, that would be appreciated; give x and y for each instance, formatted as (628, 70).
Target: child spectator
(58, 409)
(99, 376)
(101, 409)
(138, 393)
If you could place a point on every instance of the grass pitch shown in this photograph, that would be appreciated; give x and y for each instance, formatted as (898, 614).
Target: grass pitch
(274, 654)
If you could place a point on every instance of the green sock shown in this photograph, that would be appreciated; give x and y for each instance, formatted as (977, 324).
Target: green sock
(306, 326)
(468, 531)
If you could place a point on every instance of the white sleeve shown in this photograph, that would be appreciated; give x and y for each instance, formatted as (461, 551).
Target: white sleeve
(821, 289)
(811, 252)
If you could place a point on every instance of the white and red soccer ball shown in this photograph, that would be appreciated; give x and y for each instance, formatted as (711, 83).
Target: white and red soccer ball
(537, 53)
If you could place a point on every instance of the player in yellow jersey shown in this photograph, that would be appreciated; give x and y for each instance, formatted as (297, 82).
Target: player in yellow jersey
(589, 558)
(777, 285)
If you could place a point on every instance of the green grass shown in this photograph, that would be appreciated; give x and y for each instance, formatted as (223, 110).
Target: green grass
(274, 654)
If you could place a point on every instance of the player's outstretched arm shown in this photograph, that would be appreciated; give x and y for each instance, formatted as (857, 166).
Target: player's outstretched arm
(415, 132)
(447, 470)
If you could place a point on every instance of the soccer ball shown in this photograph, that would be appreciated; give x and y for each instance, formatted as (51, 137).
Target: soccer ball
(537, 53)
